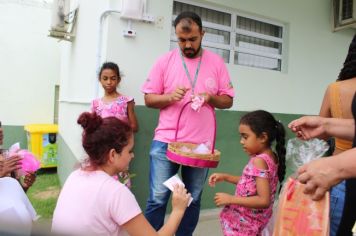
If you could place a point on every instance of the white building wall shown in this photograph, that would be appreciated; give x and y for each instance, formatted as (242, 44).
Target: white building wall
(29, 62)
(313, 54)
(78, 71)
(313, 57)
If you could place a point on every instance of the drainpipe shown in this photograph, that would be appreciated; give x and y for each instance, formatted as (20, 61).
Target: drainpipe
(146, 18)
(99, 48)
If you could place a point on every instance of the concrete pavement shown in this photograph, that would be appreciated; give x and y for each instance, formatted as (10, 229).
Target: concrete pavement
(209, 224)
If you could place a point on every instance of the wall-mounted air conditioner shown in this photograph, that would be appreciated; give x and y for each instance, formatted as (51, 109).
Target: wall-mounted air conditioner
(343, 14)
(64, 13)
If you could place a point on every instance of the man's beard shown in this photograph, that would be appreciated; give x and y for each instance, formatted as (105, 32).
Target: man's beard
(191, 52)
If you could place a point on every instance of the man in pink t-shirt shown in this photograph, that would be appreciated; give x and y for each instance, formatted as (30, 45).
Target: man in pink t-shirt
(174, 79)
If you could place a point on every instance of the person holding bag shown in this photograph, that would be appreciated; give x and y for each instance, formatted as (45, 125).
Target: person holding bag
(320, 175)
(336, 103)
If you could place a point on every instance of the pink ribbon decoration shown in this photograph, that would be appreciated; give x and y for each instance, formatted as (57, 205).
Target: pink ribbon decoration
(197, 102)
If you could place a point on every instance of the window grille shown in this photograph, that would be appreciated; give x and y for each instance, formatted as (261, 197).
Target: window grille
(238, 39)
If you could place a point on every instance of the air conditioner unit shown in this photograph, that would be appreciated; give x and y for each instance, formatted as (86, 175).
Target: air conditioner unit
(64, 13)
(343, 14)
(132, 9)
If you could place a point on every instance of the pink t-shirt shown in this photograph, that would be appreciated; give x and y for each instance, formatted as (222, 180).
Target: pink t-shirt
(167, 74)
(93, 203)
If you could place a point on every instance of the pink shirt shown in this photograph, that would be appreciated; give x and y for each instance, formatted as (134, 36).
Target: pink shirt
(93, 203)
(167, 74)
(116, 108)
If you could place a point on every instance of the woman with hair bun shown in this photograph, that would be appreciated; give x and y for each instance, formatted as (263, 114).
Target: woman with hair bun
(92, 202)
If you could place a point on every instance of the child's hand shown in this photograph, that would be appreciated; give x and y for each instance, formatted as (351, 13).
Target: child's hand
(222, 199)
(215, 178)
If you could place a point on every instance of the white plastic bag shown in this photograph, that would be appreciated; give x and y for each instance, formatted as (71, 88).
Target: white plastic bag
(301, 152)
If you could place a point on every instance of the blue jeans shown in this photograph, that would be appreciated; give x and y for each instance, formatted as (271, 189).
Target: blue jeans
(162, 169)
(337, 201)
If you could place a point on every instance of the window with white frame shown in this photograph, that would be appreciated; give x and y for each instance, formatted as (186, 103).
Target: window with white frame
(239, 39)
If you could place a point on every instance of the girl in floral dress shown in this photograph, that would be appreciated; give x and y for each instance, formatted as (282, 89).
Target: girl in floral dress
(248, 211)
(115, 104)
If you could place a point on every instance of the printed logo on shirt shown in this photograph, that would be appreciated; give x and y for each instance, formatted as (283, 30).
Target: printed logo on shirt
(210, 84)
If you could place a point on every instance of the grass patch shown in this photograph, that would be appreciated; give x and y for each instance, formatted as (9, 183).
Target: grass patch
(44, 193)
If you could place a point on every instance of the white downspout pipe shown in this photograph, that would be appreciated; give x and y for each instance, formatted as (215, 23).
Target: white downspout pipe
(99, 47)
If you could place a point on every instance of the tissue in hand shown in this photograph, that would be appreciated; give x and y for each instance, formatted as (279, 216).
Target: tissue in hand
(29, 163)
(197, 102)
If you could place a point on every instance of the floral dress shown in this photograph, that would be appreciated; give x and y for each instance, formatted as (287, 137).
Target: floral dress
(116, 108)
(242, 221)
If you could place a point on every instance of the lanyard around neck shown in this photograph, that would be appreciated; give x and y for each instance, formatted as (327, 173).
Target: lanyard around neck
(196, 71)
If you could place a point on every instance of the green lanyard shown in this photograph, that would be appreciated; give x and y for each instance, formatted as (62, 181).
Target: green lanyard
(187, 72)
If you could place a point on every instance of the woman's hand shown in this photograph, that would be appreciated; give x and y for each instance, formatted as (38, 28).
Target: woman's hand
(180, 198)
(8, 165)
(29, 179)
(319, 176)
(308, 127)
